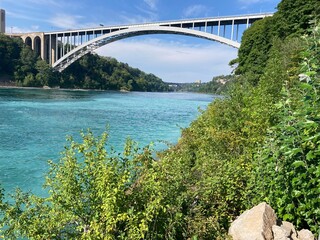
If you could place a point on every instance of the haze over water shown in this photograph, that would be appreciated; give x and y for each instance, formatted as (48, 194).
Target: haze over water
(34, 125)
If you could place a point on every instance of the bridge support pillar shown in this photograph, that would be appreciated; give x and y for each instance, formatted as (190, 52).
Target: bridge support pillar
(51, 49)
(42, 54)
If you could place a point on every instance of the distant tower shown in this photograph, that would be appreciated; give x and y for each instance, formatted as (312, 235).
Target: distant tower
(2, 21)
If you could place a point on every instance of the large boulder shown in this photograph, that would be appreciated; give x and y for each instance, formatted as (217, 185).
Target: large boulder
(254, 224)
(261, 223)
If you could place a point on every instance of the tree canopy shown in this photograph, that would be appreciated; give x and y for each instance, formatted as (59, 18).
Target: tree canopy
(90, 72)
(95, 72)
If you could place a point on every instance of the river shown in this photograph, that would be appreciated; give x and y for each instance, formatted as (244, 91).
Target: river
(34, 124)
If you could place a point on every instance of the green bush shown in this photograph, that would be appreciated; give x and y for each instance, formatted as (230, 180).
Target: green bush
(288, 166)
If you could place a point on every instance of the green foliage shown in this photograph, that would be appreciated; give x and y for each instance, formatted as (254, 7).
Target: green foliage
(95, 72)
(291, 20)
(254, 50)
(294, 17)
(9, 54)
(45, 76)
(218, 85)
(92, 195)
(23, 64)
(289, 178)
(217, 155)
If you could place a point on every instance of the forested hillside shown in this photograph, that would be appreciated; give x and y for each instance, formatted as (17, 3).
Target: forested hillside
(218, 85)
(260, 143)
(95, 72)
(25, 68)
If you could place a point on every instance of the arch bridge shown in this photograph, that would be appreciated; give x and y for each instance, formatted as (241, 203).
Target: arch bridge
(61, 48)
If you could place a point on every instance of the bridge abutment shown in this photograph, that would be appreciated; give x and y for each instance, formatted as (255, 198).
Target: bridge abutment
(36, 42)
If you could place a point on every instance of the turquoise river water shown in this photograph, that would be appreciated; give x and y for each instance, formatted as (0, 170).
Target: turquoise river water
(34, 124)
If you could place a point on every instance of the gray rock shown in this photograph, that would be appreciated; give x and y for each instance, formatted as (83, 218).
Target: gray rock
(254, 224)
(305, 235)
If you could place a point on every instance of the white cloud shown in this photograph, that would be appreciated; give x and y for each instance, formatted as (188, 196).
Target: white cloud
(143, 15)
(152, 4)
(146, 16)
(65, 21)
(195, 11)
(173, 61)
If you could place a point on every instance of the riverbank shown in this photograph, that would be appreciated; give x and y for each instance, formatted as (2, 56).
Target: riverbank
(12, 85)
(57, 88)
(6, 81)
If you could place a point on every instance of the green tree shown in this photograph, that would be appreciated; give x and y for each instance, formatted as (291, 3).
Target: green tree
(26, 65)
(93, 71)
(9, 53)
(30, 81)
(294, 17)
(45, 75)
(254, 51)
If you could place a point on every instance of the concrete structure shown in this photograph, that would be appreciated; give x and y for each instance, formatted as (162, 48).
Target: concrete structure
(35, 41)
(62, 48)
(2, 21)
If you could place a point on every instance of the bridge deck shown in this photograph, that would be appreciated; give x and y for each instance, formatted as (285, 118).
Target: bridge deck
(188, 23)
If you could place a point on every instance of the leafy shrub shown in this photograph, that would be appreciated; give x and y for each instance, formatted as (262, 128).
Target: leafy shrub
(288, 167)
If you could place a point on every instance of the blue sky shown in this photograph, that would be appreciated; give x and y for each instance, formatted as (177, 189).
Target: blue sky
(174, 58)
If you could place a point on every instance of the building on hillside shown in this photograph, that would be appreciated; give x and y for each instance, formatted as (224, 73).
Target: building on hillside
(2, 21)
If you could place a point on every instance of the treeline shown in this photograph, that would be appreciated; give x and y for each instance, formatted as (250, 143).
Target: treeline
(260, 143)
(218, 85)
(96, 72)
(26, 69)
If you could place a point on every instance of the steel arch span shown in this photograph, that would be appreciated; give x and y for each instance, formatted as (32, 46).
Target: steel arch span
(62, 48)
(100, 41)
